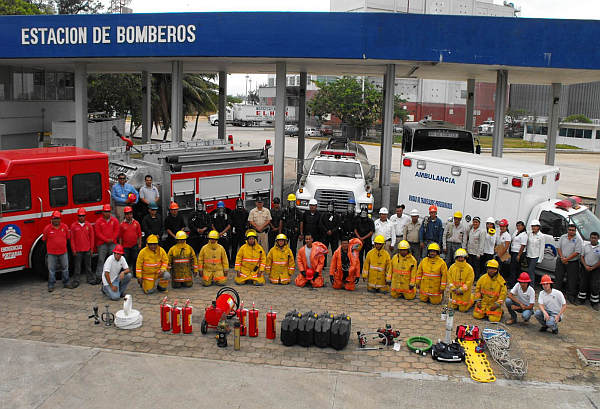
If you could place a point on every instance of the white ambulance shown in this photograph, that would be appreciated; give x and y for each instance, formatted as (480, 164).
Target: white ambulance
(486, 186)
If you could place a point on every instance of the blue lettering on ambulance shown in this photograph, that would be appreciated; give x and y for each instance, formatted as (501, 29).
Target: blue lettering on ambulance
(438, 178)
(428, 201)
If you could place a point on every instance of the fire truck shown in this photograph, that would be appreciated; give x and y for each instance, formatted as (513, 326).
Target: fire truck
(36, 182)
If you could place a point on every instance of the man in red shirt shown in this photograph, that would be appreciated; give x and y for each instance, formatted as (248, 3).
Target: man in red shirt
(107, 232)
(82, 243)
(55, 236)
(130, 236)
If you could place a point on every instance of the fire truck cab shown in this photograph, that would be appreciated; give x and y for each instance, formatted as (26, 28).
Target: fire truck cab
(36, 182)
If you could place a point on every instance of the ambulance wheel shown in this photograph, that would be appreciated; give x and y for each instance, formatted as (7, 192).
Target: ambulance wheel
(204, 327)
(38, 261)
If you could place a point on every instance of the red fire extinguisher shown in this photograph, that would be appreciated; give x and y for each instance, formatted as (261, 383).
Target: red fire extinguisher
(187, 318)
(253, 322)
(242, 314)
(271, 317)
(165, 315)
(176, 318)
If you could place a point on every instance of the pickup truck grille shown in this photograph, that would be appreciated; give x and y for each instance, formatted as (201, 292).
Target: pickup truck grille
(339, 197)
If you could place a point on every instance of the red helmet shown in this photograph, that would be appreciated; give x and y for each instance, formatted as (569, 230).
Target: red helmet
(546, 279)
(310, 273)
(128, 209)
(524, 278)
(81, 211)
(119, 249)
(432, 208)
(106, 208)
(132, 197)
(503, 223)
(173, 206)
(56, 214)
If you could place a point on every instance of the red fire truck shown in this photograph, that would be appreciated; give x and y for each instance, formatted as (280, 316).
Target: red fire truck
(36, 182)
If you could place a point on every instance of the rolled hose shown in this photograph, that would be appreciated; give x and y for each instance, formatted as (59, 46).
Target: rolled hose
(424, 340)
(132, 321)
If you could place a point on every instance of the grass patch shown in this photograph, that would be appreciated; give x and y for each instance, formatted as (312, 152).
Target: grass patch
(486, 142)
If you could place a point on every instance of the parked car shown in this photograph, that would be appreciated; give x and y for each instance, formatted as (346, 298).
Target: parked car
(291, 130)
(326, 130)
(311, 132)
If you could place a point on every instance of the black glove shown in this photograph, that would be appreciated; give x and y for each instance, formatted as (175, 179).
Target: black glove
(303, 273)
(331, 279)
(356, 280)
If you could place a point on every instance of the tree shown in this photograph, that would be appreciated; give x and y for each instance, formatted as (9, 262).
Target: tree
(399, 111)
(578, 118)
(78, 6)
(117, 94)
(18, 7)
(513, 117)
(253, 98)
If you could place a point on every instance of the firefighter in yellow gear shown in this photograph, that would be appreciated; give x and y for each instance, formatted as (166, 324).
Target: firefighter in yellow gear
(460, 281)
(377, 266)
(183, 264)
(491, 293)
(280, 263)
(250, 261)
(403, 273)
(212, 261)
(432, 276)
(151, 267)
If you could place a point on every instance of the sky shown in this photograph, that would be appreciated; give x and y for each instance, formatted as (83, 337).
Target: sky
(238, 83)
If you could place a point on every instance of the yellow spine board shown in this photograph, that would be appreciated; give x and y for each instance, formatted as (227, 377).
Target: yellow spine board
(477, 363)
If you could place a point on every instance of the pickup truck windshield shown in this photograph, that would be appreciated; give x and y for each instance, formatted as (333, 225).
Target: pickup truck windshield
(586, 223)
(336, 168)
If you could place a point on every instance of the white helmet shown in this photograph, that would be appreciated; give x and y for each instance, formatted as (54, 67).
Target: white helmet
(414, 212)
(535, 222)
(490, 220)
(383, 210)
(312, 202)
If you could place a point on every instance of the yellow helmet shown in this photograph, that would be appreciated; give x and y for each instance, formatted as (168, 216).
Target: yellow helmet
(180, 235)
(403, 245)
(250, 233)
(458, 214)
(281, 236)
(152, 239)
(461, 253)
(434, 247)
(213, 234)
(291, 197)
(379, 239)
(492, 264)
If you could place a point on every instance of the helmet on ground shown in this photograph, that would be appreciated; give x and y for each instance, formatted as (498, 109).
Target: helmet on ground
(81, 211)
(490, 220)
(132, 197)
(524, 277)
(291, 197)
(56, 214)
(414, 212)
(220, 204)
(383, 210)
(458, 215)
(503, 223)
(312, 202)
(174, 206)
(461, 253)
(492, 264)
(403, 245)
(119, 249)
(546, 279)
(379, 239)
(433, 247)
(128, 209)
(213, 234)
(432, 208)
(535, 222)
(310, 273)
(250, 233)
(106, 208)
(281, 236)
(152, 239)
(180, 235)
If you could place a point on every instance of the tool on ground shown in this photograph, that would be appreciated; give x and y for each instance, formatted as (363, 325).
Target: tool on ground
(128, 318)
(505, 351)
(222, 330)
(306, 328)
(253, 322)
(412, 342)
(271, 325)
(340, 331)
(108, 317)
(187, 317)
(323, 329)
(236, 335)
(467, 332)
(448, 352)
(175, 319)
(477, 362)
(389, 334)
(165, 315)
(449, 326)
(95, 315)
(289, 328)
(223, 308)
(242, 316)
(365, 337)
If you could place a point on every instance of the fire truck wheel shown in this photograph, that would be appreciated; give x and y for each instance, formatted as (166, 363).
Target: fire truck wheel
(204, 327)
(38, 261)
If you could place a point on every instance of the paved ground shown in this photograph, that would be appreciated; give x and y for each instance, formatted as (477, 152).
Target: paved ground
(43, 375)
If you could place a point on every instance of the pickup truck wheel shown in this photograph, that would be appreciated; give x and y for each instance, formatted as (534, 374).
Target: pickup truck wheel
(215, 123)
(38, 261)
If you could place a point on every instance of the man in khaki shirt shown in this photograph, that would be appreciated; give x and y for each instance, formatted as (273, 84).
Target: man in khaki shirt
(411, 234)
(259, 219)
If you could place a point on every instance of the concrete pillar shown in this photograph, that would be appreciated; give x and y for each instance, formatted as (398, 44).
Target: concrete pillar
(81, 106)
(301, 125)
(146, 107)
(387, 139)
(553, 124)
(279, 147)
(222, 105)
(470, 104)
(176, 100)
(500, 111)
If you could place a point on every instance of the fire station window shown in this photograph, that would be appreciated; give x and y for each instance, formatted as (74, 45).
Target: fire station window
(481, 190)
(553, 224)
(18, 195)
(87, 188)
(57, 190)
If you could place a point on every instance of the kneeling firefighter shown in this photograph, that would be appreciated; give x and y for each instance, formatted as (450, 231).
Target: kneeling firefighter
(491, 293)
(403, 274)
(345, 265)
(250, 261)
(377, 266)
(213, 262)
(151, 267)
(182, 262)
(280, 261)
(460, 281)
(432, 276)
(311, 259)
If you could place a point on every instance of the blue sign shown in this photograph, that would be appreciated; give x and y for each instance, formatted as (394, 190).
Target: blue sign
(10, 234)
